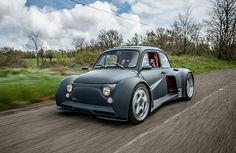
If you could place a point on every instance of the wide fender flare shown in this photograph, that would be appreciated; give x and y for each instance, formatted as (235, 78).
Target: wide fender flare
(183, 74)
(61, 90)
(123, 94)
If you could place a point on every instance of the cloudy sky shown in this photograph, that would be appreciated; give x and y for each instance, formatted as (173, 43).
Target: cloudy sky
(60, 21)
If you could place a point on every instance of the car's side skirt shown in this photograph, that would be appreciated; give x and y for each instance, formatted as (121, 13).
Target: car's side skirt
(158, 102)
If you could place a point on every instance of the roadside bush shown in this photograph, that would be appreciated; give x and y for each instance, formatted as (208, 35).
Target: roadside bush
(2, 60)
(65, 61)
(86, 58)
(11, 61)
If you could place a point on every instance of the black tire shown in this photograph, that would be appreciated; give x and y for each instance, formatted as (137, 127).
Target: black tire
(188, 97)
(132, 117)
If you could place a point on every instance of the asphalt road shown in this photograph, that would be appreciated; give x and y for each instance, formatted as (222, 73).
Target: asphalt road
(205, 124)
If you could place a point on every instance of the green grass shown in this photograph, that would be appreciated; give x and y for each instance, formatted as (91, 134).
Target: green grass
(200, 64)
(22, 87)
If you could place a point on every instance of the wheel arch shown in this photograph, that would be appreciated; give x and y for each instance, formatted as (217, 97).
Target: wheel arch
(126, 88)
(184, 73)
(149, 92)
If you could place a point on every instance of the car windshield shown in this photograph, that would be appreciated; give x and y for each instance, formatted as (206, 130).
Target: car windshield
(118, 58)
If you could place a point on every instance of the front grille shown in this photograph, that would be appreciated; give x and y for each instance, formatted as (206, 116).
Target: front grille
(89, 95)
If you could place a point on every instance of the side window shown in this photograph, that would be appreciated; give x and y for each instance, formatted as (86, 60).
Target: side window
(145, 60)
(150, 59)
(102, 60)
(164, 60)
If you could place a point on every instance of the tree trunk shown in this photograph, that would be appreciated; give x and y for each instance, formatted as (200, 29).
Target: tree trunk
(37, 60)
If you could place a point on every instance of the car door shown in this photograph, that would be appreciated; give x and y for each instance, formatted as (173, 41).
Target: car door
(165, 68)
(154, 76)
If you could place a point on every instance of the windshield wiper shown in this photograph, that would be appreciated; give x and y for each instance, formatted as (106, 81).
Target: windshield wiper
(119, 65)
(101, 65)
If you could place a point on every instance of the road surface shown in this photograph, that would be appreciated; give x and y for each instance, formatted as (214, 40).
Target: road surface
(205, 124)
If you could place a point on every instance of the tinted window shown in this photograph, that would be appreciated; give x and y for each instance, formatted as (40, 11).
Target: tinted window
(164, 60)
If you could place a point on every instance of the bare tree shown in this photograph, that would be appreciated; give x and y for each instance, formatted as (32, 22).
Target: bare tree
(41, 54)
(37, 42)
(93, 45)
(195, 33)
(79, 43)
(182, 27)
(222, 27)
(109, 39)
(160, 37)
(150, 38)
(186, 32)
(135, 40)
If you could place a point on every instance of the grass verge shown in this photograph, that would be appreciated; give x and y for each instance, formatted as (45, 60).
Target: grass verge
(200, 64)
(21, 87)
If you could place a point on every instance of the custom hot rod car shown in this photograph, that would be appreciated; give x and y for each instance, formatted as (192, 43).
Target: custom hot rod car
(126, 83)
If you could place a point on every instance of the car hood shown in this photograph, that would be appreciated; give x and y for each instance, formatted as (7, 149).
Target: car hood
(105, 76)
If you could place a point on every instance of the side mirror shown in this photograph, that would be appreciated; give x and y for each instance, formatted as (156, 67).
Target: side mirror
(147, 67)
(85, 68)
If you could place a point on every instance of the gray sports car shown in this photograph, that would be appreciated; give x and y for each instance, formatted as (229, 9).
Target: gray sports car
(126, 83)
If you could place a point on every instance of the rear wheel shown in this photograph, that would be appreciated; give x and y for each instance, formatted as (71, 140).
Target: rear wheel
(140, 103)
(189, 86)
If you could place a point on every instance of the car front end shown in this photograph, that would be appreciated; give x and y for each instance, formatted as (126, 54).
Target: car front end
(96, 99)
(104, 91)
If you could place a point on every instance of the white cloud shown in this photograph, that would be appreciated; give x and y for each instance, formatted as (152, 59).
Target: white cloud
(163, 12)
(59, 27)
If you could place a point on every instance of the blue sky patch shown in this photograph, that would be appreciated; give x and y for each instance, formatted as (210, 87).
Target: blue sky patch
(123, 7)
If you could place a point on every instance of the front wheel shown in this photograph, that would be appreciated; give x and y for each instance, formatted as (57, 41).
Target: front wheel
(189, 86)
(140, 103)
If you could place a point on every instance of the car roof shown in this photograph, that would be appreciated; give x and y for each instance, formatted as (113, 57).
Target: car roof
(138, 48)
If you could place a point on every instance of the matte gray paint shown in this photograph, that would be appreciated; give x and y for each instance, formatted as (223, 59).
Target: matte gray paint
(105, 76)
(122, 82)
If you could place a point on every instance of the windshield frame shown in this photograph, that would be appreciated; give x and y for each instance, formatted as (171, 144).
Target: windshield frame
(127, 50)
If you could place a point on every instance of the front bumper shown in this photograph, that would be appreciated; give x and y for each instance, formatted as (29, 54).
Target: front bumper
(105, 112)
(89, 98)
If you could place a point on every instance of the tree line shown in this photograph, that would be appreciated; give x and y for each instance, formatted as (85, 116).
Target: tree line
(216, 36)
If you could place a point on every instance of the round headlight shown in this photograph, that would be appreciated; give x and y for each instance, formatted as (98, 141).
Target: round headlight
(69, 88)
(106, 91)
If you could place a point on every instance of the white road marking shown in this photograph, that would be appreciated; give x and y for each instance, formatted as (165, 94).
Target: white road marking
(170, 119)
